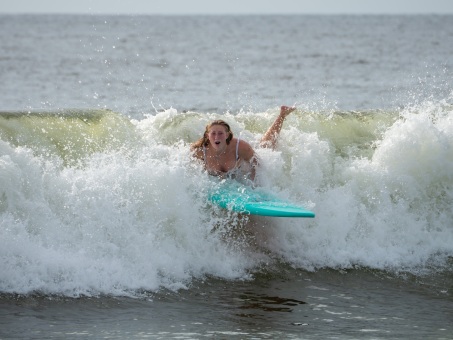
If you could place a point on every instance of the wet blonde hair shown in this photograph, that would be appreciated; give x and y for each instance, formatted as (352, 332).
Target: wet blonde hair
(204, 141)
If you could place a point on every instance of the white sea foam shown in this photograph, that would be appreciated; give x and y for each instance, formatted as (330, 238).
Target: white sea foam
(134, 216)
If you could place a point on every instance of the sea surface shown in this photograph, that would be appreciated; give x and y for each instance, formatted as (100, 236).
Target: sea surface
(105, 226)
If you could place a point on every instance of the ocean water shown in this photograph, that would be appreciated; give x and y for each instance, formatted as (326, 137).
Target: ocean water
(105, 229)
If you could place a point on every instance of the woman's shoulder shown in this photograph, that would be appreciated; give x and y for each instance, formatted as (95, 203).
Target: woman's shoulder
(197, 152)
(245, 149)
(242, 142)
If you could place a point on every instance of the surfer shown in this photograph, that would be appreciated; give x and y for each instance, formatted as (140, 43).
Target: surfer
(227, 156)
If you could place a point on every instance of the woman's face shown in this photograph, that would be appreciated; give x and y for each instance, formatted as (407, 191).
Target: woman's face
(218, 135)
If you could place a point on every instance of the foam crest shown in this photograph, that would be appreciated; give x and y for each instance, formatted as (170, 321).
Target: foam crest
(389, 211)
(117, 225)
(135, 217)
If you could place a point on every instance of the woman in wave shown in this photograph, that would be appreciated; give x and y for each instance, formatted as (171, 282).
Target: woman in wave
(226, 156)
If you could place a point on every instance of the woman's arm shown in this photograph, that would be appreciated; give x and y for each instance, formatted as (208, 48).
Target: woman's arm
(246, 153)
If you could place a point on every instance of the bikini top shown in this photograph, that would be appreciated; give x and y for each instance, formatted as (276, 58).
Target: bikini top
(230, 173)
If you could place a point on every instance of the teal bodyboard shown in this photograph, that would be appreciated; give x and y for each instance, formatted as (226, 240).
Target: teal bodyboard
(251, 201)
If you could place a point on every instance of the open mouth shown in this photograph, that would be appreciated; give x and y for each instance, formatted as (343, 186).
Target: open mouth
(217, 142)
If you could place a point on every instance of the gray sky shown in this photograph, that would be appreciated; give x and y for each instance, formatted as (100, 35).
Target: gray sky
(228, 6)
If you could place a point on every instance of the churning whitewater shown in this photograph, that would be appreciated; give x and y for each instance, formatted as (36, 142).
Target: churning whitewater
(93, 202)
